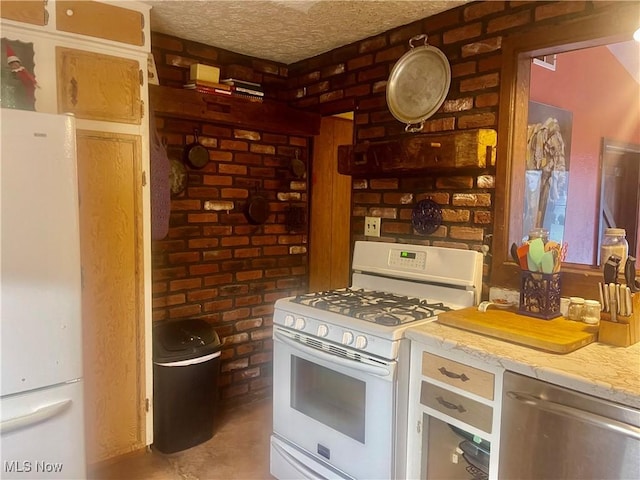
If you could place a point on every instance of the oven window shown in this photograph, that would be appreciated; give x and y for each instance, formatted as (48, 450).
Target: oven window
(329, 397)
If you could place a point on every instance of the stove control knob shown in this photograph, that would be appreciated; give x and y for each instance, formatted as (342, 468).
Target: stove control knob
(323, 330)
(300, 323)
(288, 321)
(361, 341)
(347, 338)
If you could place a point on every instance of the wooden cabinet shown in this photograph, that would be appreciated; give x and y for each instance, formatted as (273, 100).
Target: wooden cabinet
(90, 59)
(110, 187)
(101, 20)
(32, 12)
(457, 374)
(452, 399)
(95, 86)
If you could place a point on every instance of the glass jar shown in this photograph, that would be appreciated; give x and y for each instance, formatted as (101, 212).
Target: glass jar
(576, 306)
(541, 233)
(591, 312)
(614, 242)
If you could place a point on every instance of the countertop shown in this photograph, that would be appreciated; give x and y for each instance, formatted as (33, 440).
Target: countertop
(608, 372)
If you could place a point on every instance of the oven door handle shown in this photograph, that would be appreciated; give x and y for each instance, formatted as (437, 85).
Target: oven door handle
(302, 469)
(364, 367)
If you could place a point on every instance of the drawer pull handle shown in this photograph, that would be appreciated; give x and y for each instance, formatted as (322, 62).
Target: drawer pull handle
(450, 406)
(74, 91)
(449, 374)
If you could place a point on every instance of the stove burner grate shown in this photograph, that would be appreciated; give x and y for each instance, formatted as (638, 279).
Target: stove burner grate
(384, 308)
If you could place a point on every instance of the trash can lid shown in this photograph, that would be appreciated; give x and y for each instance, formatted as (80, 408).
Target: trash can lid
(184, 340)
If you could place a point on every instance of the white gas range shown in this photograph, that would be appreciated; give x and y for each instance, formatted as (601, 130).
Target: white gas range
(341, 360)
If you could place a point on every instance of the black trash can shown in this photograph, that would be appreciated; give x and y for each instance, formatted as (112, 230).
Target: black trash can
(186, 363)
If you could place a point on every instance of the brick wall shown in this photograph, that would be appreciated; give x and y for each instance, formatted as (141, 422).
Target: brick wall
(214, 264)
(217, 266)
(355, 77)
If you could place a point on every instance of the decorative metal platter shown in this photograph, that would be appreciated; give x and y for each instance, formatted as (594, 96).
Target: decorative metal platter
(418, 84)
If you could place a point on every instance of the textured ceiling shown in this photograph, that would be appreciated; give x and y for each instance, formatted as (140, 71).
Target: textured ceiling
(286, 31)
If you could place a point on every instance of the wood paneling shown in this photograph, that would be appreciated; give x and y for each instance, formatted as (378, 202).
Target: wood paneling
(109, 176)
(330, 249)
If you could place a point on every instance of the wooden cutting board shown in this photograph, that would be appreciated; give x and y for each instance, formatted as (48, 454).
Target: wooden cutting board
(558, 335)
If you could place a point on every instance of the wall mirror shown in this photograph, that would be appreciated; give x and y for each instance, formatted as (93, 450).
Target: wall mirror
(518, 100)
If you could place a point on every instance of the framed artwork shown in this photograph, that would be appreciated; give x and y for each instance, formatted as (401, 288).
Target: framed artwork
(18, 84)
(547, 169)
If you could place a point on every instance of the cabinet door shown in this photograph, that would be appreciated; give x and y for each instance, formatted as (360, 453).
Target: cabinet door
(28, 12)
(98, 87)
(109, 178)
(101, 20)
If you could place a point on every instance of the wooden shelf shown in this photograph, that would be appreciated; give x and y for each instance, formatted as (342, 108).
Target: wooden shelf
(268, 116)
(447, 151)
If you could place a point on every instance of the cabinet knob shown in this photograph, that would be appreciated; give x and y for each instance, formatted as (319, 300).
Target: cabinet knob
(69, 12)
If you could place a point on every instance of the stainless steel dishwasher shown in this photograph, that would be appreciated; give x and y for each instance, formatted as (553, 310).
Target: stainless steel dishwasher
(549, 432)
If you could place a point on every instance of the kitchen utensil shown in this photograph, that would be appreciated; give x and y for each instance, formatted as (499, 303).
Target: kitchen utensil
(547, 262)
(630, 274)
(523, 250)
(611, 269)
(628, 301)
(514, 253)
(613, 304)
(622, 289)
(195, 154)
(536, 252)
(607, 300)
(418, 84)
(557, 335)
(257, 209)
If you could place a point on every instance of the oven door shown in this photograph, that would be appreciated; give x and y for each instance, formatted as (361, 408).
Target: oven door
(334, 405)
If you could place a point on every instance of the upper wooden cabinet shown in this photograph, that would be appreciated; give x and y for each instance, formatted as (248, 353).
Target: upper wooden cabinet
(33, 12)
(101, 20)
(126, 25)
(95, 86)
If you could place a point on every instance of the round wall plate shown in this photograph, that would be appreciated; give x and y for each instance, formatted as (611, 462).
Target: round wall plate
(426, 217)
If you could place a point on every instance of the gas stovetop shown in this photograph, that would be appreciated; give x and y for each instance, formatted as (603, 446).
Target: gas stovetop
(383, 308)
(390, 283)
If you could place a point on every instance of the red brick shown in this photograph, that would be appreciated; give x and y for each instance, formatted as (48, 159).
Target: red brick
(557, 9)
(372, 44)
(481, 9)
(465, 32)
(506, 22)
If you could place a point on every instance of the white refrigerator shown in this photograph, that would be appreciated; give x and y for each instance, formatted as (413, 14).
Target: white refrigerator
(41, 394)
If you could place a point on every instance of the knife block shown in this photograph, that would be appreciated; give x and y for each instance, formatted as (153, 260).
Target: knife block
(624, 332)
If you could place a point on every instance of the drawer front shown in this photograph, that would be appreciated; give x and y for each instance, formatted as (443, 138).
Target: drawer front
(459, 375)
(101, 20)
(28, 12)
(456, 406)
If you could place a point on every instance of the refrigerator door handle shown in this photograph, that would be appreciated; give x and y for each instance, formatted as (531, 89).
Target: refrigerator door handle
(39, 415)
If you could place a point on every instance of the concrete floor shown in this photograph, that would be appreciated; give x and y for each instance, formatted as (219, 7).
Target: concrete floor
(239, 450)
